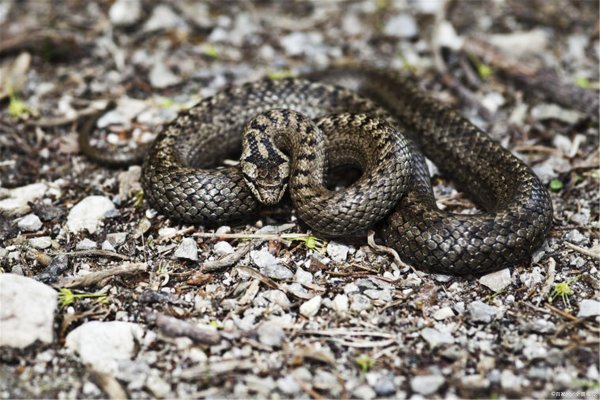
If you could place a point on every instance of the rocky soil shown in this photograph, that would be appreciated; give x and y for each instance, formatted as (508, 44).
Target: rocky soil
(101, 296)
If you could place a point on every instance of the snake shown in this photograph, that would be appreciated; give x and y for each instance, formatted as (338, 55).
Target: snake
(295, 130)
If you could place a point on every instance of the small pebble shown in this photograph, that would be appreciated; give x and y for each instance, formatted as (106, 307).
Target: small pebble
(125, 12)
(337, 251)
(588, 308)
(340, 304)
(223, 248)
(42, 242)
(496, 280)
(402, 26)
(116, 239)
(482, 312)
(434, 337)
(30, 223)
(443, 313)
(89, 213)
(187, 249)
(271, 334)
(86, 244)
(426, 384)
(311, 307)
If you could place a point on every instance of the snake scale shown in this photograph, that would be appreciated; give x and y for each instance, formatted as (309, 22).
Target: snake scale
(377, 119)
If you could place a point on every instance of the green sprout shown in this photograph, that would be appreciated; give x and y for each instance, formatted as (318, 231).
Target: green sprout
(281, 74)
(17, 107)
(582, 82)
(563, 290)
(483, 70)
(365, 362)
(66, 297)
(556, 185)
(312, 243)
(211, 51)
(138, 199)
(493, 295)
(216, 324)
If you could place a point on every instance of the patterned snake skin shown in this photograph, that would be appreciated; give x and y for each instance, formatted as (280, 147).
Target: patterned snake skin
(517, 207)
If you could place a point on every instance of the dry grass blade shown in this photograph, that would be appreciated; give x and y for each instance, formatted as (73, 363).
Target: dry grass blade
(98, 276)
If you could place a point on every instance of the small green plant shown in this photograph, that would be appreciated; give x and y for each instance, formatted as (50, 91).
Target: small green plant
(582, 82)
(66, 297)
(17, 107)
(483, 70)
(211, 51)
(556, 185)
(563, 290)
(365, 362)
(216, 324)
(312, 243)
(138, 199)
(281, 74)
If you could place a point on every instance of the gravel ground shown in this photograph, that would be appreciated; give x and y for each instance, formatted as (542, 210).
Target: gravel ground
(103, 297)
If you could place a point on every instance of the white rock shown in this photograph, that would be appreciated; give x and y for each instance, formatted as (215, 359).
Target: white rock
(520, 42)
(277, 297)
(426, 384)
(30, 223)
(116, 239)
(508, 380)
(482, 312)
(223, 248)
(575, 237)
(271, 333)
(127, 108)
(435, 337)
(161, 76)
(103, 344)
(86, 244)
(475, 382)
(359, 302)
(496, 280)
(107, 246)
(337, 251)
(311, 307)
(364, 392)
(187, 249)
(89, 213)
(443, 313)
(19, 197)
(125, 12)
(269, 265)
(42, 242)
(446, 36)
(383, 295)
(552, 111)
(302, 276)
(340, 304)
(351, 24)
(163, 17)
(288, 385)
(588, 308)
(26, 312)
(403, 26)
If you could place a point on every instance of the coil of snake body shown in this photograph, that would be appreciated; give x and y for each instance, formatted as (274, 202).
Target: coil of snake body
(388, 132)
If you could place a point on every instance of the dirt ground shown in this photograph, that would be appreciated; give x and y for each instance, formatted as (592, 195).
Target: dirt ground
(141, 306)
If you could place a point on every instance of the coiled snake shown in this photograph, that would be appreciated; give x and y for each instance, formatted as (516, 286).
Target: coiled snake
(517, 207)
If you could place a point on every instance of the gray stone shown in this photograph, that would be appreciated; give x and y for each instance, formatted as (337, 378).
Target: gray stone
(474, 382)
(575, 237)
(426, 384)
(116, 239)
(311, 307)
(288, 385)
(30, 223)
(496, 280)
(360, 302)
(434, 337)
(402, 26)
(364, 392)
(552, 111)
(337, 251)
(482, 312)
(588, 308)
(269, 265)
(443, 313)
(86, 244)
(42, 242)
(107, 246)
(187, 249)
(17, 198)
(277, 297)
(161, 76)
(383, 295)
(125, 12)
(27, 311)
(302, 276)
(340, 304)
(104, 344)
(89, 213)
(271, 333)
(223, 248)
(163, 17)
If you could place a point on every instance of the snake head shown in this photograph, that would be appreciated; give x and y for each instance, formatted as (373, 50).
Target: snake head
(266, 171)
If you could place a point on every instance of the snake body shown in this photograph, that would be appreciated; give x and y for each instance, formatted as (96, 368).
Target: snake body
(517, 210)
